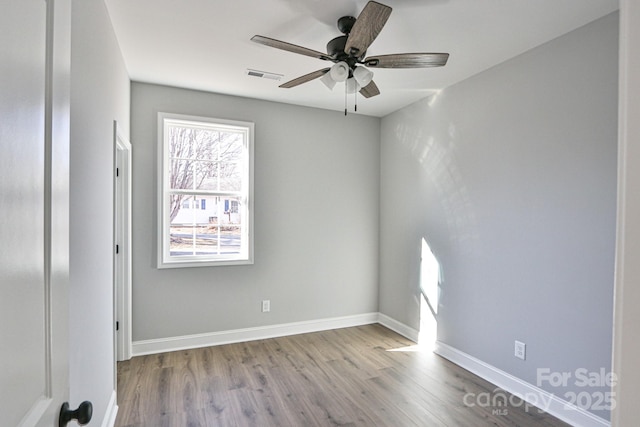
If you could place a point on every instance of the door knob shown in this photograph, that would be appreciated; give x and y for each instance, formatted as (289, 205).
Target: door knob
(82, 415)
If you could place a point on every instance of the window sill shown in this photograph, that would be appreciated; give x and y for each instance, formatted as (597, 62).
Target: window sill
(191, 263)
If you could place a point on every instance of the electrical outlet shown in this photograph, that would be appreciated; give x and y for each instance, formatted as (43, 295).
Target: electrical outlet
(520, 350)
(266, 306)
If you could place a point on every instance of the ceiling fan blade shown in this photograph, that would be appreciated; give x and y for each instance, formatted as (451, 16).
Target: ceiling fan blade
(267, 41)
(370, 90)
(366, 28)
(407, 60)
(304, 79)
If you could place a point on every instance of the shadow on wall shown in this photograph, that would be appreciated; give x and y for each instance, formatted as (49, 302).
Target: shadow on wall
(443, 209)
(436, 156)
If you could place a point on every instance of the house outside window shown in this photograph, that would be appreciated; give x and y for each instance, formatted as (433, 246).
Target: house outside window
(205, 210)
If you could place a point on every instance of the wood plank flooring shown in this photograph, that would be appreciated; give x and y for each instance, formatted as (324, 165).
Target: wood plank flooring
(362, 376)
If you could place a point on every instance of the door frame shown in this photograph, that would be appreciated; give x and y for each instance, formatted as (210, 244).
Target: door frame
(122, 245)
(626, 294)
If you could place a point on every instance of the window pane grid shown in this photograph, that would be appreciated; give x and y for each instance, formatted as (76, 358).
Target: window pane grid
(205, 192)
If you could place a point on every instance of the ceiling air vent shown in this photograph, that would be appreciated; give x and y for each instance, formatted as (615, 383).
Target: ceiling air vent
(264, 74)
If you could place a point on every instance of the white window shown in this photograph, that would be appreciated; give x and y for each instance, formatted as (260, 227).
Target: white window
(205, 213)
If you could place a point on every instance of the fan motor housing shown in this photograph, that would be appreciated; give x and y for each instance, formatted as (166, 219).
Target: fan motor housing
(336, 46)
(335, 49)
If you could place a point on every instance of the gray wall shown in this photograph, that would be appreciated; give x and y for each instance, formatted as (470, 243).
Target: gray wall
(511, 178)
(99, 94)
(316, 220)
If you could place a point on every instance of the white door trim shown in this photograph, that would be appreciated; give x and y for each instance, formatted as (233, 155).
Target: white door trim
(122, 238)
(626, 349)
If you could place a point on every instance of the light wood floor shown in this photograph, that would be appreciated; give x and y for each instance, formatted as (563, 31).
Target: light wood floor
(362, 376)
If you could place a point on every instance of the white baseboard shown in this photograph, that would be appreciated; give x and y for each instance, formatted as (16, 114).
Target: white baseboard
(398, 327)
(162, 345)
(550, 403)
(112, 410)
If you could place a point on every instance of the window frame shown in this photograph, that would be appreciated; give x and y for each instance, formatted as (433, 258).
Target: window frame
(164, 258)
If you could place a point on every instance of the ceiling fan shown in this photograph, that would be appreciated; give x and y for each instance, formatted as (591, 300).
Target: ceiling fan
(348, 53)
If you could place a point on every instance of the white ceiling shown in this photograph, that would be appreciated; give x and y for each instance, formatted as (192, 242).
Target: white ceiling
(204, 44)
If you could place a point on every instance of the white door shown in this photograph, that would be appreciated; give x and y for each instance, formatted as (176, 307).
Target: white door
(34, 219)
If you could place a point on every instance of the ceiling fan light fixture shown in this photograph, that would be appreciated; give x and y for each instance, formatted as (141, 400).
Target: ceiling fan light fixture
(352, 86)
(363, 76)
(328, 81)
(339, 72)
(349, 50)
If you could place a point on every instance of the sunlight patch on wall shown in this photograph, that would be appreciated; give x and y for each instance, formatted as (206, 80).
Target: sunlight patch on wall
(430, 278)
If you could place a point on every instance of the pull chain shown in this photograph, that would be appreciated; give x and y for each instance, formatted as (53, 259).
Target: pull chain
(345, 98)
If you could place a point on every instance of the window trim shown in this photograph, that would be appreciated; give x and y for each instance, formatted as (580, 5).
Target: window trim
(164, 260)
